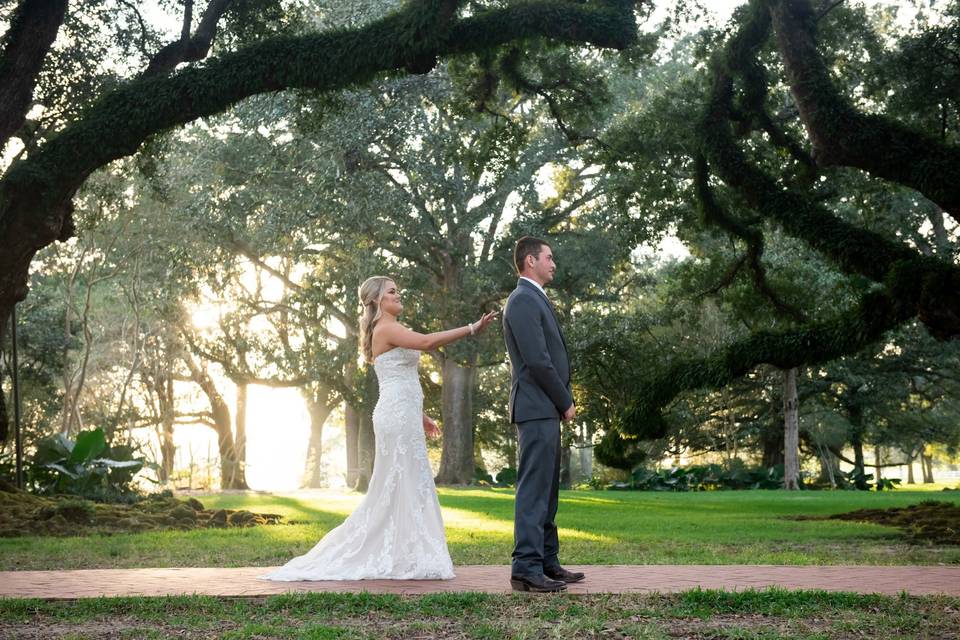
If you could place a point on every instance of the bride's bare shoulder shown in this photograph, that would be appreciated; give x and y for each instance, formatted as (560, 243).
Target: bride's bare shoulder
(388, 328)
(385, 330)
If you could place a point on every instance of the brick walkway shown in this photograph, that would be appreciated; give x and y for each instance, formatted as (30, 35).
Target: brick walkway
(55, 585)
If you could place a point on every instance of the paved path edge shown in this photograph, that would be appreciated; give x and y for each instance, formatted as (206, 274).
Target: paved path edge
(245, 582)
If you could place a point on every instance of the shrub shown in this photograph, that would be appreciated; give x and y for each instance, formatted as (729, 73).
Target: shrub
(709, 477)
(86, 467)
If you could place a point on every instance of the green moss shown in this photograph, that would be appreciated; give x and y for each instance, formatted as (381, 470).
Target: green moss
(22, 514)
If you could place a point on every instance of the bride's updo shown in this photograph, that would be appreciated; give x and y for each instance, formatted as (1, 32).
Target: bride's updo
(371, 291)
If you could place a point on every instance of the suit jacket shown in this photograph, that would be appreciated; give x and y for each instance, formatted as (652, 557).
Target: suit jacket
(539, 364)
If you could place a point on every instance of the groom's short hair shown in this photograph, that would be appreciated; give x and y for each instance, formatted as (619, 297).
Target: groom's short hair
(527, 246)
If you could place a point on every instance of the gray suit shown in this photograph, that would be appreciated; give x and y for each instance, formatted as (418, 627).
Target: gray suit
(540, 392)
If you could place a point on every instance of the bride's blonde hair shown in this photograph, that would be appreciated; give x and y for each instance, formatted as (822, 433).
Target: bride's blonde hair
(371, 291)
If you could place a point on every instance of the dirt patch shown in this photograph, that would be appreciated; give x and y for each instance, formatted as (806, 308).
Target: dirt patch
(23, 514)
(931, 521)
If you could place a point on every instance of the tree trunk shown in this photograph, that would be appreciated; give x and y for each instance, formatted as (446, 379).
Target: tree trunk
(456, 460)
(351, 425)
(926, 462)
(855, 415)
(366, 452)
(221, 423)
(586, 455)
(478, 462)
(319, 412)
(66, 375)
(910, 478)
(791, 432)
(772, 441)
(565, 478)
(859, 467)
(240, 475)
(877, 463)
(366, 438)
(4, 416)
(828, 466)
(510, 447)
(165, 402)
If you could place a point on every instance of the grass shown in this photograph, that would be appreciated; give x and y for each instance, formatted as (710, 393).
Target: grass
(597, 527)
(767, 615)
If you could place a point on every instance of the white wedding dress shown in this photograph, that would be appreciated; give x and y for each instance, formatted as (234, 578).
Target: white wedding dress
(396, 532)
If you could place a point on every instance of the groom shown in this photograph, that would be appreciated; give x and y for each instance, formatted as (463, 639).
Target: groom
(540, 396)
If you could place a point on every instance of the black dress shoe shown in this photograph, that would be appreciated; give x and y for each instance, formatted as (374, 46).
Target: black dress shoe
(537, 584)
(561, 574)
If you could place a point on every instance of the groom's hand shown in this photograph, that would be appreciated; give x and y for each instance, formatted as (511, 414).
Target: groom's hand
(570, 413)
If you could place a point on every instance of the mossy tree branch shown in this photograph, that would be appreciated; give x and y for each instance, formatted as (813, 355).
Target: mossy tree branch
(909, 284)
(32, 31)
(714, 214)
(35, 193)
(842, 135)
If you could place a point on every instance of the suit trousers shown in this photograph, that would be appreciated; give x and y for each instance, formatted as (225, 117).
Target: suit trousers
(536, 544)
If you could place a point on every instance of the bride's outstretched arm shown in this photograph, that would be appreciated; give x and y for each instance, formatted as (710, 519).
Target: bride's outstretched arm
(396, 335)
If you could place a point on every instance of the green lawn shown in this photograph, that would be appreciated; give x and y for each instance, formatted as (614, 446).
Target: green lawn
(597, 527)
(764, 615)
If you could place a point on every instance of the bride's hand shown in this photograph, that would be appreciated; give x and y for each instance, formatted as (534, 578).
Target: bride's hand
(430, 428)
(484, 320)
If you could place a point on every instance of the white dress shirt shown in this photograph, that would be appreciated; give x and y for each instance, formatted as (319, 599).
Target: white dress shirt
(535, 283)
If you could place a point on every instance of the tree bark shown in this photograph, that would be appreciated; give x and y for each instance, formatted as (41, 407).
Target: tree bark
(877, 464)
(456, 459)
(32, 31)
(480, 465)
(221, 424)
(165, 402)
(585, 452)
(190, 49)
(239, 480)
(910, 478)
(841, 135)
(856, 441)
(828, 466)
(771, 439)
(366, 452)
(319, 412)
(791, 431)
(351, 424)
(366, 438)
(927, 466)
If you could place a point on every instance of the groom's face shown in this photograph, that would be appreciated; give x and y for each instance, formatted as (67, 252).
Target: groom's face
(542, 265)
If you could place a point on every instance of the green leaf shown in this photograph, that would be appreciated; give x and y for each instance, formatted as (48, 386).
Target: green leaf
(62, 469)
(88, 446)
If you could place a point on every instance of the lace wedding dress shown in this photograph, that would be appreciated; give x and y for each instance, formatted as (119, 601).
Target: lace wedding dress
(396, 532)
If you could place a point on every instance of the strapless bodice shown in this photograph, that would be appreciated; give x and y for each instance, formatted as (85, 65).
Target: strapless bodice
(397, 366)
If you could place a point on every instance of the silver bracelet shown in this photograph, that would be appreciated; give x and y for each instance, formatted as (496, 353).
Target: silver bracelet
(472, 330)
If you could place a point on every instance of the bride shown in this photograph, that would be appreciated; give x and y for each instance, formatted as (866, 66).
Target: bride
(396, 531)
